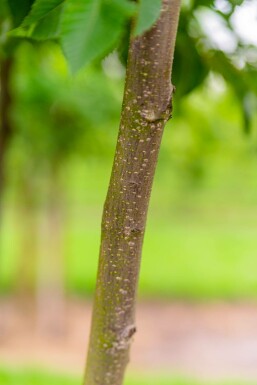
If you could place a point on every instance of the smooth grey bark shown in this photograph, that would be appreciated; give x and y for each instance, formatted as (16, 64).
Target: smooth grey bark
(146, 108)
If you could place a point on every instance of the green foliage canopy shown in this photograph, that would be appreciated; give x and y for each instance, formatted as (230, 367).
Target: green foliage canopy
(197, 55)
(86, 29)
(89, 29)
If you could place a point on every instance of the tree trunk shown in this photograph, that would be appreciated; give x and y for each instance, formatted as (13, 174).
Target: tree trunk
(27, 221)
(50, 285)
(5, 105)
(146, 109)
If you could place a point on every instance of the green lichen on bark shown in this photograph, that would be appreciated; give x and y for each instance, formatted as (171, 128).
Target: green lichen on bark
(146, 108)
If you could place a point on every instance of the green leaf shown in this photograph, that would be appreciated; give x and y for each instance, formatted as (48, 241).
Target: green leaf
(248, 112)
(40, 9)
(206, 3)
(19, 10)
(125, 7)
(3, 11)
(123, 47)
(148, 13)
(189, 70)
(91, 28)
(236, 2)
(42, 22)
(49, 26)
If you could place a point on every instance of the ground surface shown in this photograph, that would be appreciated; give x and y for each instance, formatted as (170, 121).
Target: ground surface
(205, 341)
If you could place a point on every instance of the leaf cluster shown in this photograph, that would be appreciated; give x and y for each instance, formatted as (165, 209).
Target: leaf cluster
(197, 56)
(89, 29)
(86, 29)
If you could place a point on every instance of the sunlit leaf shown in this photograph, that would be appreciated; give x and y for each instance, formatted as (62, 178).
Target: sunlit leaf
(90, 28)
(148, 13)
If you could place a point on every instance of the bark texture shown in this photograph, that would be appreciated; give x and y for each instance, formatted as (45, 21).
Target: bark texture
(146, 108)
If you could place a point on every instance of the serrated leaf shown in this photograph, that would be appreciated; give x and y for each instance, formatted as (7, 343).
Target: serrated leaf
(40, 9)
(148, 13)
(19, 10)
(49, 26)
(90, 28)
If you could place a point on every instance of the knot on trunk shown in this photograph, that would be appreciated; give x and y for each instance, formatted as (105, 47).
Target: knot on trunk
(162, 111)
(123, 340)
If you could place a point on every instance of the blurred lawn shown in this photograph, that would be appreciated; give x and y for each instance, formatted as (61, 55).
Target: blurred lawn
(200, 242)
(33, 377)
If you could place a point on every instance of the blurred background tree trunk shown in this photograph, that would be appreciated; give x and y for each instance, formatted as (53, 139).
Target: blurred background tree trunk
(50, 281)
(27, 219)
(5, 120)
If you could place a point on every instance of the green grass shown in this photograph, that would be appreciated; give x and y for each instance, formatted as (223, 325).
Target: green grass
(36, 377)
(22, 377)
